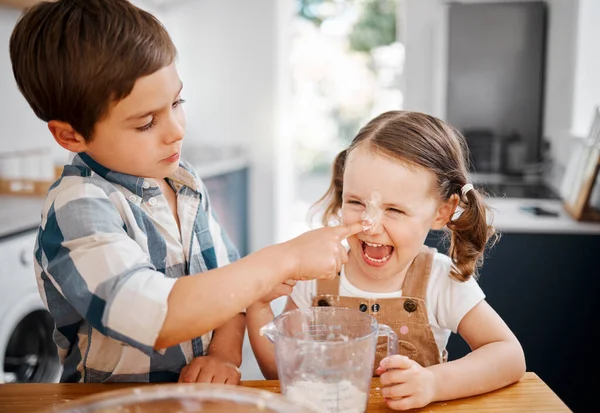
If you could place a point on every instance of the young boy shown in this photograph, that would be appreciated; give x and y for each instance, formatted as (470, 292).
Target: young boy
(142, 282)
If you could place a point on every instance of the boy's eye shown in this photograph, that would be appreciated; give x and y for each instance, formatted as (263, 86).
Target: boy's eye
(354, 202)
(396, 211)
(178, 102)
(146, 126)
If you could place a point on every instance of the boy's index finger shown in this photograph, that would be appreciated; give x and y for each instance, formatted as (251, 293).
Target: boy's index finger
(344, 231)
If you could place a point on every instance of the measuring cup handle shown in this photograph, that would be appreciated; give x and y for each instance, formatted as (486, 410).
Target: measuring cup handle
(392, 347)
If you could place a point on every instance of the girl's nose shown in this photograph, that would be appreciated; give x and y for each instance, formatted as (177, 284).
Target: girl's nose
(374, 228)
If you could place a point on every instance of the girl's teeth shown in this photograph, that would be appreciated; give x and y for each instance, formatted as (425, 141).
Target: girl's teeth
(384, 259)
(370, 244)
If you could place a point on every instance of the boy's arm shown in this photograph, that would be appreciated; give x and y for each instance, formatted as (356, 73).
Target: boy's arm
(227, 340)
(224, 356)
(203, 294)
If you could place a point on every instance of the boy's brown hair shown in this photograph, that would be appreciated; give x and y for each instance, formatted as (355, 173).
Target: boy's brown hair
(72, 59)
(424, 141)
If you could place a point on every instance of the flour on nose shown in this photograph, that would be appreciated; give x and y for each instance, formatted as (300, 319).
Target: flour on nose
(371, 217)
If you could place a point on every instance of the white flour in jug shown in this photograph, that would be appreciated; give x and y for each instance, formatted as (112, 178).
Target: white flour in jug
(341, 397)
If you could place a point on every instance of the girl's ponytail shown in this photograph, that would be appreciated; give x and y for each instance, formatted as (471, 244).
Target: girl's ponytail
(470, 233)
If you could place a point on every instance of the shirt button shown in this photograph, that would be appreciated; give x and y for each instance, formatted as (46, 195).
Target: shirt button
(132, 198)
(152, 201)
(146, 185)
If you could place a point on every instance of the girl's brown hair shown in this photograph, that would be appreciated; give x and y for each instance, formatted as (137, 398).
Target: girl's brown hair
(419, 139)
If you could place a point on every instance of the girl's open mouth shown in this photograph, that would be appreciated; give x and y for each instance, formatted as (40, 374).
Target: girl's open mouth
(376, 255)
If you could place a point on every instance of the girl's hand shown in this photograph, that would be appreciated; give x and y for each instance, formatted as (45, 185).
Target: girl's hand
(405, 384)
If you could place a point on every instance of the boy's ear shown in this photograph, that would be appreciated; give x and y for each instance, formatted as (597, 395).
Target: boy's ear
(66, 136)
(445, 212)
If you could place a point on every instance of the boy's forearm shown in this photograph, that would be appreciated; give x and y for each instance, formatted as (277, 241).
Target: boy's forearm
(263, 348)
(227, 340)
(203, 302)
(488, 368)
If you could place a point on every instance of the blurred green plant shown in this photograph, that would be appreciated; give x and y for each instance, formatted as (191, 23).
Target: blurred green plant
(308, 10)
(376, 25)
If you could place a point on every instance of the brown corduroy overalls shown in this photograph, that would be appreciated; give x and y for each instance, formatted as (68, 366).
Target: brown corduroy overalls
(406, 315)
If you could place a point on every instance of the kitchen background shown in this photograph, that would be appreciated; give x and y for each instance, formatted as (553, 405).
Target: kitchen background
(275, 88)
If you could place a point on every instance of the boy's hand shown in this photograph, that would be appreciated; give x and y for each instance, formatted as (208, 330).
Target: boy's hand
(210, 369)
(319, 254)
(283, 289)
(405, 383)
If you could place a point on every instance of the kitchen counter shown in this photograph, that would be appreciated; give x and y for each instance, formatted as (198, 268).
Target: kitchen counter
(22, 213)
(530, 394)
(223, 166)
(509, 217)
(211, 160)
(19, 214)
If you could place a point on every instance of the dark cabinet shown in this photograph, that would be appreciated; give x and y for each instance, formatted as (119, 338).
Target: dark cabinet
(228, 194)
(545, 287)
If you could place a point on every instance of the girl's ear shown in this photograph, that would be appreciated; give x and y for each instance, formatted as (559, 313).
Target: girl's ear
(445, 212)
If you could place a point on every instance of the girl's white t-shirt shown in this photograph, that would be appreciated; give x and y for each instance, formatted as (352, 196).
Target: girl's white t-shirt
(447, 300)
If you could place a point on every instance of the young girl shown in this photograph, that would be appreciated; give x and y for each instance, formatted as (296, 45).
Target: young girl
(403, 175)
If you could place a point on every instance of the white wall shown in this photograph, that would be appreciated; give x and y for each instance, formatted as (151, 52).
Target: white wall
(424, 37)
(229, 60)
(426, 40)
(560, 78)
(587, 69)
(21, 129)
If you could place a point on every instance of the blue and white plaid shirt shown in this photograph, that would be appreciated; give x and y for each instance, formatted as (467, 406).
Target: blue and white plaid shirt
(107, 254)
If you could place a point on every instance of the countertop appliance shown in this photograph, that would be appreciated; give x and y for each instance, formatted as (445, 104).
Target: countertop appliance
(27, 351)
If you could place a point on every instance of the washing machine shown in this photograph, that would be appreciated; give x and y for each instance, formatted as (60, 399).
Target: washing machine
(27, 352)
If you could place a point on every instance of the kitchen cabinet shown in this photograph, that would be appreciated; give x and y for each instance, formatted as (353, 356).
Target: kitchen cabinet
(228, 193)
(545, 287)
(225, 171)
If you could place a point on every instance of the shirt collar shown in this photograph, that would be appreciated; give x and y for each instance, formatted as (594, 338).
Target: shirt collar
(183, 176)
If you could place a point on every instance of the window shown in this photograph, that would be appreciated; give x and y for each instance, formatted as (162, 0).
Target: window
(346, 64)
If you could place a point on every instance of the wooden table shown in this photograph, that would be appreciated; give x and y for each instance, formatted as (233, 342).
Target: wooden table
(530, 394)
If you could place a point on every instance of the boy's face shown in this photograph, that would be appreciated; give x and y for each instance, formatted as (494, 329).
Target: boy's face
(142, 133)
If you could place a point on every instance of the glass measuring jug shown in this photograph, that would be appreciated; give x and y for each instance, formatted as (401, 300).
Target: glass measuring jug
(325, 356)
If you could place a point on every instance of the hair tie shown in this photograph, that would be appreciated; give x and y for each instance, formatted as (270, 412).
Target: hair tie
(466, 188)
